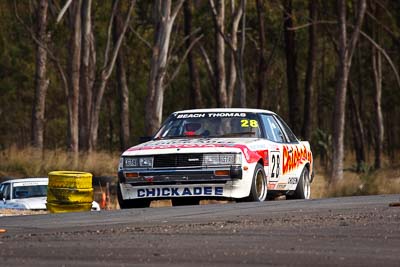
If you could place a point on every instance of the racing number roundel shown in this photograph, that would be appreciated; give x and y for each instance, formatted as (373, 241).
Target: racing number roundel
(275, 162)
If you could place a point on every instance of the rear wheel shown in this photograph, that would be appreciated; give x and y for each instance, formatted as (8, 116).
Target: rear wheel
(303, 189)
(258, 191)
(131, 203)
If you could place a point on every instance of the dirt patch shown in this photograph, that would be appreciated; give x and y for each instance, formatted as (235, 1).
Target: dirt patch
(11, 212)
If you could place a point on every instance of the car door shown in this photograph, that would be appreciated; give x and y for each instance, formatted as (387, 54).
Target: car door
(274, 133)
(291, 150)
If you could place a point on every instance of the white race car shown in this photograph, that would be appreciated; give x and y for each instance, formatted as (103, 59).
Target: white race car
(27, 194)
(24, 194)
(241, 154)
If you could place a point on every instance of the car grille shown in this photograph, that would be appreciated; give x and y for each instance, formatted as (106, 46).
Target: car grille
(178, 160)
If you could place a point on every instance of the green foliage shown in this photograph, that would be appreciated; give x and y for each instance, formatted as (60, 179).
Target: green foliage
(366, 168)
(322, 144)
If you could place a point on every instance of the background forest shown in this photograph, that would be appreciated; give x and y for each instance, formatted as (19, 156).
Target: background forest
(91, 77)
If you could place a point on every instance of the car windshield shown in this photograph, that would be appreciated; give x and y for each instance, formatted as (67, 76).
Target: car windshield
(30, 191)
(210, 124)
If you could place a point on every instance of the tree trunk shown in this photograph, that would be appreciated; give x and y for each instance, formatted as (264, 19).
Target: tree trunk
(377, 74)
(122, 84)
(262, 64)
(155, 89)
(358, 131)
(74, 60)
(240, 62)
(356, 142)
(308, 88)
(345, 56)
(87, 76)
(338, 121)
(195, 89)
(220, 73)
(232, 56)
(237, 65)
(209, 67)
(41, 81)
(110, 110)
(379, 135)
(291, 72)
(101, 83)
(320, 89)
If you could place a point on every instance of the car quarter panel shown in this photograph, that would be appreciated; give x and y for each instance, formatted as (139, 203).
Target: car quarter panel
(295, 158)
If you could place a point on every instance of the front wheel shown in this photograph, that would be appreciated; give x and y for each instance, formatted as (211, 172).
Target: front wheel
(303, 189)
(131, 203)
(258, 191)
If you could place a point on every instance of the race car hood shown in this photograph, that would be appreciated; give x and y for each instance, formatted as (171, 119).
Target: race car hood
(34, 203)
(200, 145)
(193, 143)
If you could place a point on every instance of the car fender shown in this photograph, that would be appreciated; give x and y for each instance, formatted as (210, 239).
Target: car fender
(241, 188)
(250, 160)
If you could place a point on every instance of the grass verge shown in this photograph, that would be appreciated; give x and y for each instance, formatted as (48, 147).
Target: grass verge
(383, 181)
(30, 162)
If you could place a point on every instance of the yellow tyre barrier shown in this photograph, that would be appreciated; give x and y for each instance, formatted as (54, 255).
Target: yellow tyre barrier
(69, 195)
(69, 191)
(70, 179)
(60, 208)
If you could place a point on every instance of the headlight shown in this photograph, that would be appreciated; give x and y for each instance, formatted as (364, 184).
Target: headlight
(221, 159)
(227, 159)
(211, 159)
(130, 162)
(146, 162)
(138, 162)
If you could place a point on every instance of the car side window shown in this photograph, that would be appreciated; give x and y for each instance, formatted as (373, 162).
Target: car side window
(290, 135)
(272, 130)
(5, 190)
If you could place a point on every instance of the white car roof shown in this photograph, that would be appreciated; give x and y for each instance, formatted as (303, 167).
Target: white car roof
(42, 179)
(225, 110)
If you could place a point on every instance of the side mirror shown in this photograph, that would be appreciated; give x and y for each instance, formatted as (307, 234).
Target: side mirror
(2, 197)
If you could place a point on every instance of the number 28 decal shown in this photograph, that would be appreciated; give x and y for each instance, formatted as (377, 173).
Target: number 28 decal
(276, 162)
(249, 123)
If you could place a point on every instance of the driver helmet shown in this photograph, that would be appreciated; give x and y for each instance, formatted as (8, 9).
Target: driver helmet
(192, 128)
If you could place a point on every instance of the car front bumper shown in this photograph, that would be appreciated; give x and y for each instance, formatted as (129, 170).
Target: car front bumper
(141, 177)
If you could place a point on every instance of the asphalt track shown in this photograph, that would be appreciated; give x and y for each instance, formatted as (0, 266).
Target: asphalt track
(352, 231)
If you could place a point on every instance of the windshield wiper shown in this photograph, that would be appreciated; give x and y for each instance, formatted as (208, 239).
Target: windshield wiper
(238, 134)
(181, 136)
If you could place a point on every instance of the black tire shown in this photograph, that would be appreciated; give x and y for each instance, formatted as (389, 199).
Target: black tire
(258, 191)
(131, 203)
(187, 201)
(303, 189)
